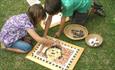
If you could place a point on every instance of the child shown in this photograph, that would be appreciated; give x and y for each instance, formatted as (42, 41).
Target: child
(77, 10)
(18, 26)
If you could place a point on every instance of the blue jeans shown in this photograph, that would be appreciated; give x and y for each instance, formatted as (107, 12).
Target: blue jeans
(22, 45)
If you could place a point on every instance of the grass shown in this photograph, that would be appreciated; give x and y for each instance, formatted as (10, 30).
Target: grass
(102, 58)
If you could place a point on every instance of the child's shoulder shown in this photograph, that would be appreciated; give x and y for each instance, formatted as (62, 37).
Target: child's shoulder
(22, 15)
(67, 3)
(20, 18)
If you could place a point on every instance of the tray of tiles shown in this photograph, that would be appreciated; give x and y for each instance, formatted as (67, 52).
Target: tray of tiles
(64, 57)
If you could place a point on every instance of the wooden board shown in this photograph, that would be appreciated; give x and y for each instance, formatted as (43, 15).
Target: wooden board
(70, 55)
(56, 20)
(32, 2)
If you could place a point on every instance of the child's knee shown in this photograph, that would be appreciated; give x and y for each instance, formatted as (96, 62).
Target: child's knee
(27, 48)
(22, 46)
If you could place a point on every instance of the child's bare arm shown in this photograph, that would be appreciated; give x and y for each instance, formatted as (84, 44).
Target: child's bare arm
(63, 19)
(47, 25)
(39, 39)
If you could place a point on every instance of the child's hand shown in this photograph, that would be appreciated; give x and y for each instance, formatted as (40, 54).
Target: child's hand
(47, 42)
(57, 43)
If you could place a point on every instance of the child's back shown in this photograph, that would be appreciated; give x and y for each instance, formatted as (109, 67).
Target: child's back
(69, 6)
(15, 28)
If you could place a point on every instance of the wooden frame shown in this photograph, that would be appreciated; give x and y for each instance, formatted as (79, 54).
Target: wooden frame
(70, 64)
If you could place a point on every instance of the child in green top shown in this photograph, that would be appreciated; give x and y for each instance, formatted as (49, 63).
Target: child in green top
(77, 10)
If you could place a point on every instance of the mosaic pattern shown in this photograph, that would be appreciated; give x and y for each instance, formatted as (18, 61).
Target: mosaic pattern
(69, 53)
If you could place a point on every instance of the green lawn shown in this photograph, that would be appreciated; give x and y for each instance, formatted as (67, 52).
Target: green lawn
(102, 58)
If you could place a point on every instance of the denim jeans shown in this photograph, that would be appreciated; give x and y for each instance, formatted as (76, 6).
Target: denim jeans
(22, 45)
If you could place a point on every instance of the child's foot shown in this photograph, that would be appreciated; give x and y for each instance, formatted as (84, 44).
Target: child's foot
(57, 34)
(100, 12)
(98, 9)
